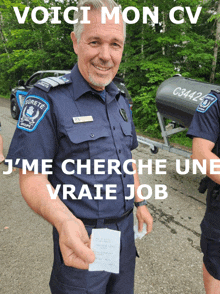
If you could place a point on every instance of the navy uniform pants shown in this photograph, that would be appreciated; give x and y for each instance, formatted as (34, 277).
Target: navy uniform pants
(210, 238)
(69, 280)
(211, 256)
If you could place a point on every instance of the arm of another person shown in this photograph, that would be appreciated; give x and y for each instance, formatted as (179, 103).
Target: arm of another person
(143, 215)
(73, 237)
(202, 149)
(2, 158)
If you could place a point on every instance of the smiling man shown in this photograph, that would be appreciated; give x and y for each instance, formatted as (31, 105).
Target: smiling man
(99, 49)
(83, 117)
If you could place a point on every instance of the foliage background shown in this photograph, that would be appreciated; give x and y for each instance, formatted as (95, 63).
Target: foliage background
(152, 53)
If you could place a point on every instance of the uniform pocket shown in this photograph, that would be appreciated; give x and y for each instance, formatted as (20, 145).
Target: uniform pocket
(126, 128)
(127, 132)
(83, 136)
(84, 132)
(58, 287)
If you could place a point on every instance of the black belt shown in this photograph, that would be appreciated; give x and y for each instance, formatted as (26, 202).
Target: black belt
(107, 221)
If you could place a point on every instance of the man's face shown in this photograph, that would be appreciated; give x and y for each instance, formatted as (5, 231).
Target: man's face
(99, 50)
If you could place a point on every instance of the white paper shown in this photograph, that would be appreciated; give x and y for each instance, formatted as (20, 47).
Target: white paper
(105, 244)
(140, 235)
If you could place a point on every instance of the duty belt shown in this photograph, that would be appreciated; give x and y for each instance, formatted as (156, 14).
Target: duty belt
(107, 221)
(213, 188)
(216, 192)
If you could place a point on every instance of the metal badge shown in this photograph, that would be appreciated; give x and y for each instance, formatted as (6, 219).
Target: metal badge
(82, 119)
(123, 114)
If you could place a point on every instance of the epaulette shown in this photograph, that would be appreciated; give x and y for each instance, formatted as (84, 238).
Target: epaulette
(51, 82)
(217, 91)
(122, 93)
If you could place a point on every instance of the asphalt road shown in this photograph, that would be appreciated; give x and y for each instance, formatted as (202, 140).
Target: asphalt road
(170, 258)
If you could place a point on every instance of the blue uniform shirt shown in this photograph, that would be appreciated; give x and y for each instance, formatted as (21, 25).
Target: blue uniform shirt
(205, 124)
(46, 130)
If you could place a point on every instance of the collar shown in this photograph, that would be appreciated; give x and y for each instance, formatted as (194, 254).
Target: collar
(81, 86)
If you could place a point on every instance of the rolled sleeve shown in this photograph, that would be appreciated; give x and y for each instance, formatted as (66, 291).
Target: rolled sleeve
(206, 124)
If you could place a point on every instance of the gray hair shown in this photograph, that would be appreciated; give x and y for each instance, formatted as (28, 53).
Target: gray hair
(96, 5)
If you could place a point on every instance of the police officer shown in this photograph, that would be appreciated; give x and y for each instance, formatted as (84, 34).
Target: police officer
(77, 119)
(205, 131)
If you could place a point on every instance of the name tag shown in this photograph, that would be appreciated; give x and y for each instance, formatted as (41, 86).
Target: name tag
(82, 119)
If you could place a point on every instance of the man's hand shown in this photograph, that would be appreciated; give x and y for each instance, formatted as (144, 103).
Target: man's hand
(144, 216)
(75, 244)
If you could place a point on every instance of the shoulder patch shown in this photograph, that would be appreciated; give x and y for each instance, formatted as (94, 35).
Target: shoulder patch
(217, 91)
(206, 103)
(32, 113)
(51, 82)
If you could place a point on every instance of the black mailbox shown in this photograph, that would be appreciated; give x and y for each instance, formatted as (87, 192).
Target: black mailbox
(178, 97)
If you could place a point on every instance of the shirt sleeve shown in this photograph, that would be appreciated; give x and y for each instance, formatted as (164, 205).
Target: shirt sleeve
(205, 123)
(35, 135)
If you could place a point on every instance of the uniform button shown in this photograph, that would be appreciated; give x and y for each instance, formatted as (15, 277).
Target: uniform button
(92, 135)
(119, 150)
(124, 175)
(113, 128)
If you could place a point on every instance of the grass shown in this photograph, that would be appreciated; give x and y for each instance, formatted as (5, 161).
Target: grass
(7, 96)
(183, 140)
(179, 138)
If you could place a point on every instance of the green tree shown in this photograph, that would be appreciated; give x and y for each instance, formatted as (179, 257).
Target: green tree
(153, 52)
